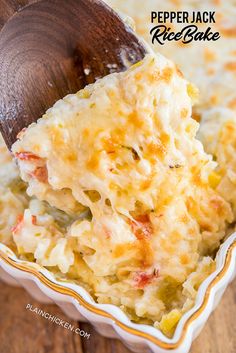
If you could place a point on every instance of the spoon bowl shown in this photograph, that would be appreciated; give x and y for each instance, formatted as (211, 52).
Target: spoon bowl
(55, 47)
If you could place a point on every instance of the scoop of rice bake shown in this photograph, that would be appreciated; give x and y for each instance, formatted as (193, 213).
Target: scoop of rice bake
(125, 148)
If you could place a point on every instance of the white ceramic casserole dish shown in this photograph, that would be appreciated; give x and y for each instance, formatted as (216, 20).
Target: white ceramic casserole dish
(108, 319)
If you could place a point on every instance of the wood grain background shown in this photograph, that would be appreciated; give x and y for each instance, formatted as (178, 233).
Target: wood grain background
(22, 331)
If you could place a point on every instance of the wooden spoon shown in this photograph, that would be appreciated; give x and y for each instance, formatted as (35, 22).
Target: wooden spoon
(55, 47)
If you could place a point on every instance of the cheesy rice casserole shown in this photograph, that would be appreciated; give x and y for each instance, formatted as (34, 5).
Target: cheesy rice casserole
(117, 193)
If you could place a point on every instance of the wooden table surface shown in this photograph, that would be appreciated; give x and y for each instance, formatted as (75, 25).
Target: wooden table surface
(22, 331)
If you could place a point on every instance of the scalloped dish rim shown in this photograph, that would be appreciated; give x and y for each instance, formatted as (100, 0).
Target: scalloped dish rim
(224, 261)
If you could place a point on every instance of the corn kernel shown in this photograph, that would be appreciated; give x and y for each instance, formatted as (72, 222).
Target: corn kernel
(169, 322)
(84, 93)
(214, 179)
(20, 250)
